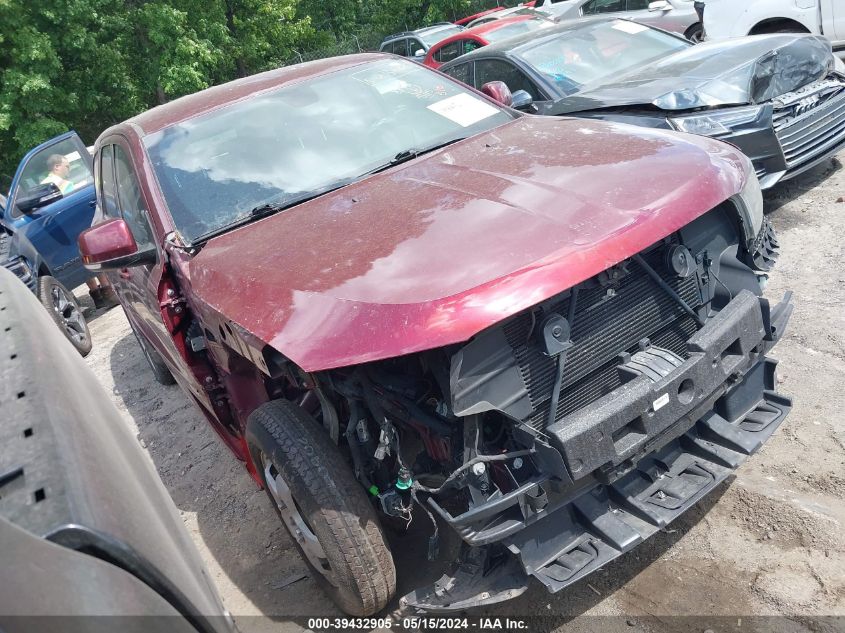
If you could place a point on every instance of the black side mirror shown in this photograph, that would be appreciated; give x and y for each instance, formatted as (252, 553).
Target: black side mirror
(522, 100)
(40, 196)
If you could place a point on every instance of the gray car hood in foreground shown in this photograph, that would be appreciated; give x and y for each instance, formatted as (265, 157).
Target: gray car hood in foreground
(731, 72)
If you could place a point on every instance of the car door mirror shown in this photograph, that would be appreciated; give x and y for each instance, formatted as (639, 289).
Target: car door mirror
(111, 245)
(419, 53)
(498, 91)
(522, 100)
(38, 197)
(659, 5)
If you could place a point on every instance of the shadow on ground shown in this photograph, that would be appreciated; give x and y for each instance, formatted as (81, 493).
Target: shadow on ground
(787, 191)
(238, 527)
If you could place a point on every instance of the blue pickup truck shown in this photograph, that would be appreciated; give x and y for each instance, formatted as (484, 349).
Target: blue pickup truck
(50, 202)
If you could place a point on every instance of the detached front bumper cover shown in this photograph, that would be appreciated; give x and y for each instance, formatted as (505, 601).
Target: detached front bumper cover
(638, 458)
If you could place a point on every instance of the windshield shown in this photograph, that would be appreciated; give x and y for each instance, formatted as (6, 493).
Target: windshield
(430, 38)
(517, 28)
(596, 51)
(305, 138)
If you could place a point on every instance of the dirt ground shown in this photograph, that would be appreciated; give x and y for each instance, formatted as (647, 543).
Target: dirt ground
(769, 541)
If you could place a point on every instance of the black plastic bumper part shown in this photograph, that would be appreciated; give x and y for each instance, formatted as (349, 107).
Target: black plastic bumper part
(639, 458)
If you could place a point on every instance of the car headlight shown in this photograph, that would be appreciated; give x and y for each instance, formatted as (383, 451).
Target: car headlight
(716, 122)
(750, 205)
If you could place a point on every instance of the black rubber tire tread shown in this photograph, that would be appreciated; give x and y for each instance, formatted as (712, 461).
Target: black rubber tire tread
(331, 501)
(695, 28)
(42, 291)
(160, 370)
(5, 244)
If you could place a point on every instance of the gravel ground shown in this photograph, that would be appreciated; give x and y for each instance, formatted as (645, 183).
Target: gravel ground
(769, 541)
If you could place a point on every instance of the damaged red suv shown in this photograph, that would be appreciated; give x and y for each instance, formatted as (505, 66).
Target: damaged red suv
(394, 299)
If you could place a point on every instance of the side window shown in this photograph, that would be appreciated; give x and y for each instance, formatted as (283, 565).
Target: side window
(447, 52)
(132, 205)
(400, 47)
(66, 164)
(495, 70)
(108, 187)
(461, 72)
(595, 7)
(387, 47)
(638, 5)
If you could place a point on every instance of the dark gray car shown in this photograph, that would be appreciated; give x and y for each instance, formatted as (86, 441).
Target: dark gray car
(779, 98)
(87, 529)
(415, 44)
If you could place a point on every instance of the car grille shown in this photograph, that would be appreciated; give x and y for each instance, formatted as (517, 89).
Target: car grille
(609, 320)
(810, 122)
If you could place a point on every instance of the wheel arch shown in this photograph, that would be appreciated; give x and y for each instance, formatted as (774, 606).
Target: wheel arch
(778, 25)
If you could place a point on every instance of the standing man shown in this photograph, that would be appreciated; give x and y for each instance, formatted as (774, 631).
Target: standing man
(58, 170)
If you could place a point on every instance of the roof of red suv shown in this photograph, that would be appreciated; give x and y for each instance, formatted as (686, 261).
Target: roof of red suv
(215, 97)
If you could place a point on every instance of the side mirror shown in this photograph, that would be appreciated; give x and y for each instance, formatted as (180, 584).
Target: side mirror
(498, 91)
(419, 53)
(659, 5)
(39, 197)
(521, 100)
(110, 246)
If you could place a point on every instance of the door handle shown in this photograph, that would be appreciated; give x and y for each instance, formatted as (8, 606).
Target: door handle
(124, 273)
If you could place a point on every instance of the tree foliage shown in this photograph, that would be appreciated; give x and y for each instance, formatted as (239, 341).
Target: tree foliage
(87, 64)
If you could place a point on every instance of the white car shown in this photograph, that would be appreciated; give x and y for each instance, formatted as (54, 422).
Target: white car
(678, 16)
(729, 18)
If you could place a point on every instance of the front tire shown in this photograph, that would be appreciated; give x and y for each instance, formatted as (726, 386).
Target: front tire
(160, 369)
(323, 507)
(64, 309)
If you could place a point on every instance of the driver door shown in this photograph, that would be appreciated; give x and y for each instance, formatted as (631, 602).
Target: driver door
(54, 228)
(121, 197)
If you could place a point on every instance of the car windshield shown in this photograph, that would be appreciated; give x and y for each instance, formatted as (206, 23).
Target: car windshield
(596, 51)
(279, 147)
(430, 38)
(517, 28)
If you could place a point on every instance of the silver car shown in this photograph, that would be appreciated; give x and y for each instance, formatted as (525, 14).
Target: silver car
(678, 16)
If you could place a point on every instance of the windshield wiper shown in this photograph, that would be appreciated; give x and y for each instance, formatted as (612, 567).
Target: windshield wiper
(269, 208)
(409, 154)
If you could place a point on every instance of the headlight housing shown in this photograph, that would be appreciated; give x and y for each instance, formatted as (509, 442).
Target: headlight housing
(750, 205)
(716, 122)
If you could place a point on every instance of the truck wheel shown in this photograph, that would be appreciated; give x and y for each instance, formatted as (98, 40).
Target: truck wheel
(695, 33)
(323, 507)
(161, 371)
(65, 311)
(5, 243)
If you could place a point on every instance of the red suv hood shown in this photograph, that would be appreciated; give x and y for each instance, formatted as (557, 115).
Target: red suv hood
(436, 250)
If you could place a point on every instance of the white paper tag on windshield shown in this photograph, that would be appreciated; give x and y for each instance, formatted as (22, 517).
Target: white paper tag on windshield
(72, 156)
(463, 109)
(629, 27)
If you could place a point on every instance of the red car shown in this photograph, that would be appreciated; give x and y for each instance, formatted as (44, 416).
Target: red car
(393, 298)
(475, 16)
(482, 35)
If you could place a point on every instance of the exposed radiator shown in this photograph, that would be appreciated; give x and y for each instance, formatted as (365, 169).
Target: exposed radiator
(609, 320)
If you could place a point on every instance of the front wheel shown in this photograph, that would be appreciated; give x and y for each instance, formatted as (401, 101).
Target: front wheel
(161, 371)
(64, 309)
(323, 507)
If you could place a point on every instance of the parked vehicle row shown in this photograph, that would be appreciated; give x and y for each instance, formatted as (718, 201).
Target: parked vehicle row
(779, 98)
(725, 18)
(394, 298)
